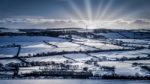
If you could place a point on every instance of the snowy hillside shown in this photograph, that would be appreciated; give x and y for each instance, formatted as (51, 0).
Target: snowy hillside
(116, 54)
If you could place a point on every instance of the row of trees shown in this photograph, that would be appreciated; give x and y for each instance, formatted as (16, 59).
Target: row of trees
(133, 58)
(44, 66)
(64, 74)
(115, 76)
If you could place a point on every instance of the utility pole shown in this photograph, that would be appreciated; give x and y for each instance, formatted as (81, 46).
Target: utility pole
(86, 30)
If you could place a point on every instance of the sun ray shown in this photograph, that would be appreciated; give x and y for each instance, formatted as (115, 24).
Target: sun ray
(131, 14)
(103, 12)
(88, 9)
(106, 9)
(116, 13)
(76, 9)
(99, 9)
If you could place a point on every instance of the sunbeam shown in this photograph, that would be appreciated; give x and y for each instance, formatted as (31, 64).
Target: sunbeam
(116, 14)
(88, 9)
(104, 13)
(74, 41)
(84, 13)
(76, 9)
(99, 9)
(131, 15)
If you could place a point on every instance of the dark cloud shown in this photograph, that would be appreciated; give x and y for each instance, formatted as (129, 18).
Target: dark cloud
(141, 22)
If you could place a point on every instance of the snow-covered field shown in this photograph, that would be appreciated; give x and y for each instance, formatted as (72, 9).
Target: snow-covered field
(8, 52)
(123, 68)
(79, 57)
(34, 49)
(111, 35)
(12, 39)
(57, 58)
(69, 46)
(31, 45)
(6, 61)
(120, 54)
(136, 41)
(101, 46)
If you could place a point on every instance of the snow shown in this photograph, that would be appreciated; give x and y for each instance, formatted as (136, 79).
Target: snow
(80, 48)
(28, 69)
(100, 44)
(136, 41)
(14, 39)
(69, 46)
(34, 44)
(9, 30)
(79, 57)
(34, 49)
(120, 54)
(56, 58)
(139, 61)
(8, 52)
(111, 35)
(123, 68)
(64, 44)
(6, 61)
(41, 47)
(27, 40)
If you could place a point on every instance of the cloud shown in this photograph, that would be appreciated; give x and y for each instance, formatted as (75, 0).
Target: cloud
(33, 22)
(141, 22)
(40, 22)
(134, 24)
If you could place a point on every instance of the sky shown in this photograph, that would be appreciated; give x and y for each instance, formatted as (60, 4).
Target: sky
(115, 14)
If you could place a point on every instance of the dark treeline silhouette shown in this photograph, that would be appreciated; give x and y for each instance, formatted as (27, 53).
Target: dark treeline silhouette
(135, 34)
(64, 74)
(126, 77)
(133, 58)
(146, 68)
(71, 52)
(64, 71)
(141, 34)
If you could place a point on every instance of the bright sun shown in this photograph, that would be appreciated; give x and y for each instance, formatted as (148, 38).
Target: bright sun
(92, 24)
